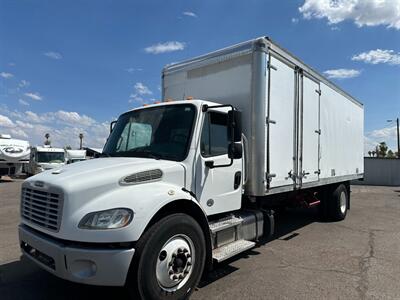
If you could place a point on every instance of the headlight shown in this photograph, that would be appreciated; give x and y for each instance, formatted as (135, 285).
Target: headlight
(107, 219)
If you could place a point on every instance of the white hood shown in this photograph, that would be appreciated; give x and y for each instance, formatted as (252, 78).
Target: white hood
(100, 172)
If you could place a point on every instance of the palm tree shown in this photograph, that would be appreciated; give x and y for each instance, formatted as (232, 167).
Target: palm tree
(47, 141)
(81, 138)
(369, 153)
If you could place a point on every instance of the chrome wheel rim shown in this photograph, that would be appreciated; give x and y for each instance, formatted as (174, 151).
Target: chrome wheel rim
(343, 202)
(175, 263)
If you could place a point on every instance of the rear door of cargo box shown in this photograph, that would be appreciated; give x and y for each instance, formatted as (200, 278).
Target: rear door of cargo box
(281, 120)
(310, 129)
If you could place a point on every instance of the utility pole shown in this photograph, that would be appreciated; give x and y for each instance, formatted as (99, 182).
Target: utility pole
(398, 137)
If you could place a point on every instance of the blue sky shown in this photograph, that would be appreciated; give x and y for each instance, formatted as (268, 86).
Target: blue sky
(72, 66)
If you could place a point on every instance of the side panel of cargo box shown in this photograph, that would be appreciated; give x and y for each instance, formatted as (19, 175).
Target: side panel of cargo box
(236, 77)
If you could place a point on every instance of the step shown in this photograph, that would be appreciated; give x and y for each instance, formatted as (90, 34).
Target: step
(229, 250)
(225, 223)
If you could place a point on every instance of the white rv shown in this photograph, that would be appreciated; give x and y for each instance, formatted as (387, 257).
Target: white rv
(14, 155)
(72, 156)
(181, 184)
(44, 158)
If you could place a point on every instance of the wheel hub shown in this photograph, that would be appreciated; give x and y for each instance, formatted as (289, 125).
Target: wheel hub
(175, 262)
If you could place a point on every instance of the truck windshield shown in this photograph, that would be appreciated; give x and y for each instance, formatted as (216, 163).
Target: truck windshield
(50, 157)
(161, 132)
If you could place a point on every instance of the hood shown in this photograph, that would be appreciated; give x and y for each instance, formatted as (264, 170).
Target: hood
(100, 172)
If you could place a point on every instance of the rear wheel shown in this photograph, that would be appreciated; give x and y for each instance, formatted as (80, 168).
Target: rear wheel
(338, 203)
(169, 259)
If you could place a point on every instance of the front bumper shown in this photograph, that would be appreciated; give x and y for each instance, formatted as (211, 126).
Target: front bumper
(95, 266)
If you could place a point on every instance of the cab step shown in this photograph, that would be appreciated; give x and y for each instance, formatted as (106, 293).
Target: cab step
(229, 250)
(225, 223)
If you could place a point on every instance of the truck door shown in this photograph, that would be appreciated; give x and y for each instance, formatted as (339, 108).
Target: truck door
(310, 130)
(281, 120)
(218, 189)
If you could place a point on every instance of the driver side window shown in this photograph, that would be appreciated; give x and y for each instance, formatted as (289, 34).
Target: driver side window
(214, 136)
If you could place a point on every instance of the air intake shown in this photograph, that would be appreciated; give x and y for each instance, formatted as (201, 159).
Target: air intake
(142, 177)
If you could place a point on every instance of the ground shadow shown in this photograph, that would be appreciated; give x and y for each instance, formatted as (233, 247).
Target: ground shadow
(22, 279)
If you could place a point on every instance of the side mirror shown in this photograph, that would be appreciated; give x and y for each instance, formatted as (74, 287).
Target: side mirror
(235, 151)
(235, 125)
(112, 125)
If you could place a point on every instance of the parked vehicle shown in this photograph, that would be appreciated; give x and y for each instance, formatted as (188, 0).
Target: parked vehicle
(73, 156)
(44, 158)
(14, 154)
(183, 184)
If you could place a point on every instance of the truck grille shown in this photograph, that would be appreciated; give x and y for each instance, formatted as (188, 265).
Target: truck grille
(42, 208)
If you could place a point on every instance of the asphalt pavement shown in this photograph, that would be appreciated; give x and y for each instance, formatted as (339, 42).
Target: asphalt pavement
(357, 258)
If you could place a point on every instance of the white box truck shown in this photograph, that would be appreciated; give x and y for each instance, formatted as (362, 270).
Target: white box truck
(185, 183)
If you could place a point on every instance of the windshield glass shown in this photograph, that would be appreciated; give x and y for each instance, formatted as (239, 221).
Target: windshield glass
(158, 132)
(50, 157)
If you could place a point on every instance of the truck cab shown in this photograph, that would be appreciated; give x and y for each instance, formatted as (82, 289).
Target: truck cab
(181, 158)
(44, 158)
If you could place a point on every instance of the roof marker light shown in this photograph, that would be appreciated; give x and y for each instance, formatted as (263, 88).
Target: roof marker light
(189, 98)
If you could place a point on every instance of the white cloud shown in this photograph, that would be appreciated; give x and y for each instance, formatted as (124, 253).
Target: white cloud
(165, 47)
(34, 96)
(133, 70)
(53, 55)
(295, 20)
(33, 117)
(361, 12)
(374, 137)
(189, 14)
(23, 124)
(6, 122)
(23, 83)
(73, 118)
(6, 75)
(140, 90)
(342, 73)
(379, 56)
(63, 126)
(23, 102)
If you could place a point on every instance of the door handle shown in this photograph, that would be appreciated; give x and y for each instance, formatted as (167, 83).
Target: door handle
(237, 179)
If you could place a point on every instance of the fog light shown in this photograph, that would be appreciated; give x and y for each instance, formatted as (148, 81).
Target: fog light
(83, 268)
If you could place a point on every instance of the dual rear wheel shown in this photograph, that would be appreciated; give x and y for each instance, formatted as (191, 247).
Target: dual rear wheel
(335, 203)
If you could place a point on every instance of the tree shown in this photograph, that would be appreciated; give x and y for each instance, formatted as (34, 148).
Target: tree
(390, 154)
(81, 138)
(369, 153)
(68, 147)
(382, 149)
(373, 153)
(47, 141)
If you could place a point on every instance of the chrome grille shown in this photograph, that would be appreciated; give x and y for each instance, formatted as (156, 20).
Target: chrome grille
(42, 208)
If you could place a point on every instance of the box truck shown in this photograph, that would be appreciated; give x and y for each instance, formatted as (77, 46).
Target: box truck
(183, 184)
(14, 155)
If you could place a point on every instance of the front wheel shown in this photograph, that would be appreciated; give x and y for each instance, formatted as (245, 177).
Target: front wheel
(169, 259)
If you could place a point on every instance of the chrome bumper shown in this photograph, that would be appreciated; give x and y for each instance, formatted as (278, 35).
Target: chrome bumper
(94, 266)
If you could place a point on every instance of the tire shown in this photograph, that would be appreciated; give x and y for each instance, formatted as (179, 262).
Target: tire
(174, 246)
(338, 203)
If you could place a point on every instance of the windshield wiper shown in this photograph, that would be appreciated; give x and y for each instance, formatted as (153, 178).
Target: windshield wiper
(141, 153)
